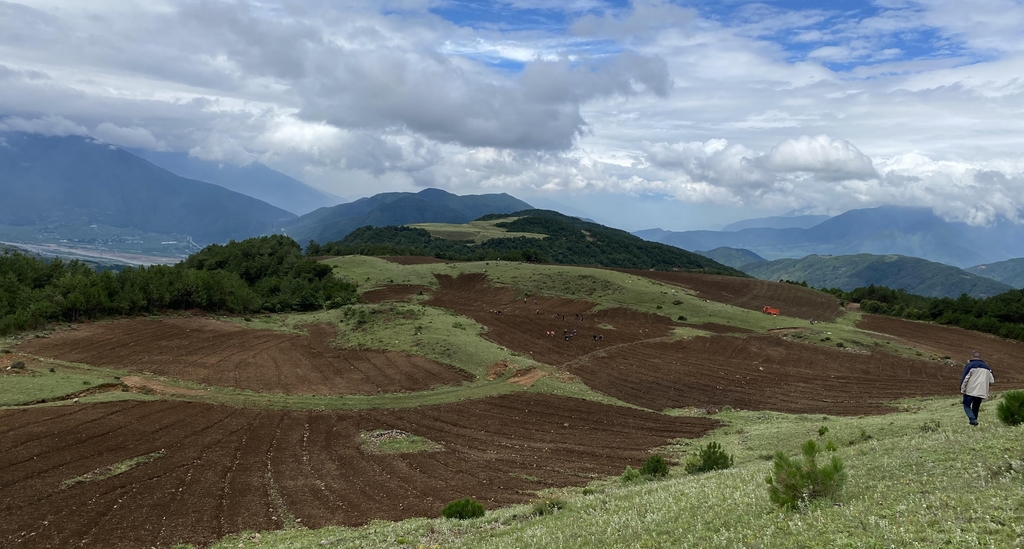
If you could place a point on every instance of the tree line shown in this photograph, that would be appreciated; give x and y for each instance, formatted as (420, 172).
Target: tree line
(266, 274)
(1001, 315)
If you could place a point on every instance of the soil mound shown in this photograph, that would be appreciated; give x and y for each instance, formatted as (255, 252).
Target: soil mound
(226, 470)
(749, 293)
(226, 354)
(761, 372)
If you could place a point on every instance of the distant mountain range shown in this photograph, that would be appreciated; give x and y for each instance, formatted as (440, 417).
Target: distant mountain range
(255, 180)
(427, 206)
(1009, 272)
(733, 257)
(74, 181)
(917, 276)
(915, 232)
(777, 222)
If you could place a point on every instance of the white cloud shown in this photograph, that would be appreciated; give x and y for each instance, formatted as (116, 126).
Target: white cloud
(127, 137)
(46, 125)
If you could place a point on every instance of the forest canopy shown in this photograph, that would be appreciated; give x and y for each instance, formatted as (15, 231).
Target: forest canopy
(268, 274)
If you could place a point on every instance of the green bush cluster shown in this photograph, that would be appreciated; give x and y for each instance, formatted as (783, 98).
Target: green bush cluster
(795, 481)
(258, 274)
(710, 458)
(654, 467)
(548, 506)
(463, 509)
(1011, 410)
(631, 475)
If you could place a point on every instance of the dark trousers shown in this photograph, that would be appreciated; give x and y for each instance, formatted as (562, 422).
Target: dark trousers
(972, 405)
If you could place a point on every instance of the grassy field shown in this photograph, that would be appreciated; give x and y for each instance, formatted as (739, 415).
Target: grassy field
(477, 231)
(917, 478)
(36, 385)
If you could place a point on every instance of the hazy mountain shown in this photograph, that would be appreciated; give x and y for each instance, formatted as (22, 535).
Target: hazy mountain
(76, 181)
(732, 257)
(427, 206)
(777, 222)
(1009, 272)
(915, 232)
(917, 276)
(255, 180)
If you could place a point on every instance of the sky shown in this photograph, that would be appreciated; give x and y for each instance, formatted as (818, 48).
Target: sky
(651, 113)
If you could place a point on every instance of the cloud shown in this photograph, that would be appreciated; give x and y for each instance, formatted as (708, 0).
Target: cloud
(821, 155)
(218, 147)
(127, 137)
(47, 125)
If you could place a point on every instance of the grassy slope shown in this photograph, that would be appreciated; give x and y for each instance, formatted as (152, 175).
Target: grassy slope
(477, 231)
(910, 485)
(1009, 272)
(917, 276)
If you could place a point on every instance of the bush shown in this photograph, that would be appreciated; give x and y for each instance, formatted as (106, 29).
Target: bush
(681, 318)
(1011, 409)
(631, 475)
(710, 458)
(822, 431)
(655, 467)
(795, 481)
(548, 506)
(463, 509)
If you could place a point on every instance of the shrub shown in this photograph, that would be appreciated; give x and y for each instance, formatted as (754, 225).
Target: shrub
(654, 467)
(710, 458)
(548, 506)
(1011, 409)
(463, 509)
(830, 446)
(631, 475)
(796, 481)
(822, 431)
(681, 318)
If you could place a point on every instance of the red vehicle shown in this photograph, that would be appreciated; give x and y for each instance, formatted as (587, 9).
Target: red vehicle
(770, 311)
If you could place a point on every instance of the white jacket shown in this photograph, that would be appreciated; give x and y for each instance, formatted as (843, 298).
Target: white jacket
(977, 381)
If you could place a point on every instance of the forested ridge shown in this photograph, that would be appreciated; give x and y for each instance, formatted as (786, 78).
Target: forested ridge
(259, 274)
(570, 241)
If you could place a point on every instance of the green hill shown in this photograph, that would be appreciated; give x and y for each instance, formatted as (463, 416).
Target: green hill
(568, 241)
(733, 257)
(1009, 272)
(917, 276)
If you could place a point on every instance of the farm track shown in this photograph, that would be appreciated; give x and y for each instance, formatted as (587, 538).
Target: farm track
(395, 292)
(227, 470)
(224, 354)
(748, 293)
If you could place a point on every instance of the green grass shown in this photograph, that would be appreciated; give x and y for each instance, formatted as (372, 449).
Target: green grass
(383, 441)
(925, 479)
(40, 384)
(113, 470)
(477, 231)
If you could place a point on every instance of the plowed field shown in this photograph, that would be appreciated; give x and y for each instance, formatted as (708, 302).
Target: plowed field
(1006, 357)
(523, 324)
(225, 354)
(748, 293)
(761, 373)
(395, 292)
(226, 470)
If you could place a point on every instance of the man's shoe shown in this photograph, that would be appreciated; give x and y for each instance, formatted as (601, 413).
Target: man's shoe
(974, 423)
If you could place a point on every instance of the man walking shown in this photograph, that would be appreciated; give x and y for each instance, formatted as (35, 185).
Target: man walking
(974, 385)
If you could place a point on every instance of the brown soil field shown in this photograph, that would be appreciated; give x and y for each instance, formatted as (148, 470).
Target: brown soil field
(227, 354)
(1005, 356)
(748, 293)
(761, 372)
(227, 470)
(716, 328)
(522, 324)
(413, 259)
(395, 292)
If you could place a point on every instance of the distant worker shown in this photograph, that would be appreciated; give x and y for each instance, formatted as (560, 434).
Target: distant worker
(974, 385)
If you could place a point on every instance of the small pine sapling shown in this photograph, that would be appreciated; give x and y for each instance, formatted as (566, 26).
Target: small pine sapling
(795, 481)
(654, 468)
(463, 509)
(631, 475)
(1011, 410)
(710, 458)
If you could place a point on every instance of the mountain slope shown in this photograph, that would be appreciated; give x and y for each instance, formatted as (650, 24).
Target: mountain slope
(568, 241)
(426, 206)
(733, 257)
(898, 230)
(255, 180)
(917, 276)
(777, 222)
(62, 180)
(1009, 272)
